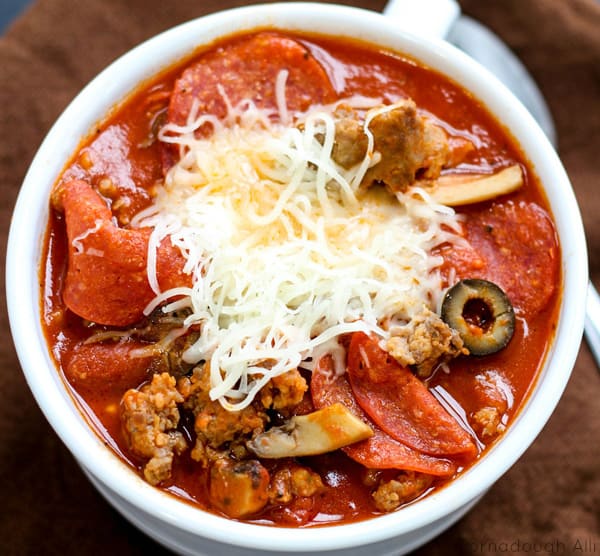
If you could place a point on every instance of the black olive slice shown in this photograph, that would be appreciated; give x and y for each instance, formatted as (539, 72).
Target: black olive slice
(481, 313)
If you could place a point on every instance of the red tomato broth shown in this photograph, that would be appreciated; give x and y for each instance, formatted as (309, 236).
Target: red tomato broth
(119, 149)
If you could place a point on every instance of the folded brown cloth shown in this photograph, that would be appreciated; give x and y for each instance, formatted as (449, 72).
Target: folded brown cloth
(548, 503)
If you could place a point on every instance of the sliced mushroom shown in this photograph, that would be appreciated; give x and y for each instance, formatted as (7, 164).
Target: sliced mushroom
(455, 189)
(322, 431)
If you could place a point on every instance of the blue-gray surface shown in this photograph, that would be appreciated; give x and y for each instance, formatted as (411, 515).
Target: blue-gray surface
(9, 9)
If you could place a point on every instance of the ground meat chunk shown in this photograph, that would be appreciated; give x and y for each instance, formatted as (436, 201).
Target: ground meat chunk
(149, 418)
(293, 481)
(284, 391)
(436, 151)
(214, 425)
(390, 495)
(350, 144)
(425, 342)
(493, 396)
(410, 147)
(487, 422)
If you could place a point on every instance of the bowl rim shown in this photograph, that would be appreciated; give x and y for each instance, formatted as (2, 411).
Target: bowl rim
(110, 87)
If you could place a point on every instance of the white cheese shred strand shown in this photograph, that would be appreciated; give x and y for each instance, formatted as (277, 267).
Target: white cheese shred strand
(284, 257)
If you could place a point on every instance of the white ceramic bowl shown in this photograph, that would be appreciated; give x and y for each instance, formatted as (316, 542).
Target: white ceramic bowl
(174, 523)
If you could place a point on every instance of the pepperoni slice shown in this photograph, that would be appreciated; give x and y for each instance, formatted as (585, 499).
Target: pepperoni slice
(400, 403)
(514, 245)
(380, 451)
(518, 242)
(102, 367)
(106, 279)
(247, 70)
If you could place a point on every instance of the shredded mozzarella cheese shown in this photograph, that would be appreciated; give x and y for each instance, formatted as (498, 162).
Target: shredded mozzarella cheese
(284, 255)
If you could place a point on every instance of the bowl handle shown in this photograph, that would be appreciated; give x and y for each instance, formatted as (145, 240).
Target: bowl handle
(429, 18)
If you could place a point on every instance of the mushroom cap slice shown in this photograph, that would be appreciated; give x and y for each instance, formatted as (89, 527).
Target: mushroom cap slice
(322, 431)
(455, 190)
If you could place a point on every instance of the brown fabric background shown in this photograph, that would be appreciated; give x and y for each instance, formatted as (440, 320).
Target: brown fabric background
(552, 495)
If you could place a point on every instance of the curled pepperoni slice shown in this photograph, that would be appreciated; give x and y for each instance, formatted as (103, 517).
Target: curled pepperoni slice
(107, 366)
(514, 245)
(380, 451)
(247, 70)
(401, 404)
(106, 280)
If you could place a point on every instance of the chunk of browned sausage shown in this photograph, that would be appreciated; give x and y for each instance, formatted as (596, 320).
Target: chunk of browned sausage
(238, 489)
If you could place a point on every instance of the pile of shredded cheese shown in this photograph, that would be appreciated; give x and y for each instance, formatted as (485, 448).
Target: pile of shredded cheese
(285, 253)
